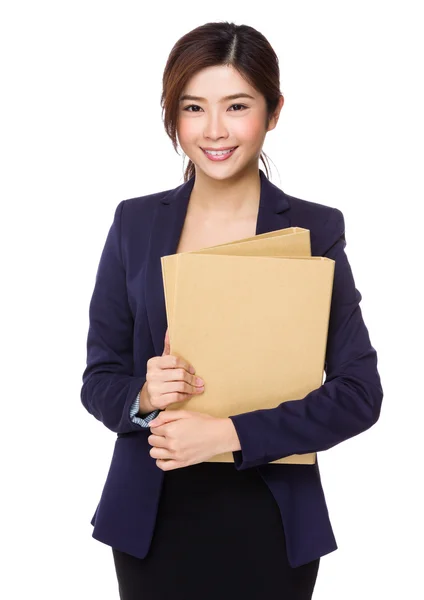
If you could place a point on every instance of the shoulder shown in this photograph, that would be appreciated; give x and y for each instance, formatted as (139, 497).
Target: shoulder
(143, 204)
(325, 223)
(138, 212)
(313, 212)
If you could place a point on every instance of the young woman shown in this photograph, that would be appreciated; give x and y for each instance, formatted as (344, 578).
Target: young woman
(180, 527)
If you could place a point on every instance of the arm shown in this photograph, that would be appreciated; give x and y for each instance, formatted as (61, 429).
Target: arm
(348, 403)
(109, 386)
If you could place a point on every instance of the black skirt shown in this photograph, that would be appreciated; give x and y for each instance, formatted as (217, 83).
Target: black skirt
(218, 535)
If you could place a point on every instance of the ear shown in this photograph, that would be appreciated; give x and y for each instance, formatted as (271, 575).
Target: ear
(274, 119)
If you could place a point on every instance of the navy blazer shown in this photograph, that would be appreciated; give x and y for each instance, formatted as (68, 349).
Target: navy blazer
(127, 326)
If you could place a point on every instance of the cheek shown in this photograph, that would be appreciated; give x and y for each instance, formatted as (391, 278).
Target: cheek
(186, 130)
(250, 130)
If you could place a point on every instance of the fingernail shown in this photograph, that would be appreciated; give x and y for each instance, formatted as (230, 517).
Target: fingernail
(199, 381)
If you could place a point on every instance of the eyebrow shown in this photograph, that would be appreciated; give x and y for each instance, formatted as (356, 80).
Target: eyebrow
(231, 97)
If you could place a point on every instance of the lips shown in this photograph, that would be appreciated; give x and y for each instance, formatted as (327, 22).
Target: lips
(218, 149)
(219, 157)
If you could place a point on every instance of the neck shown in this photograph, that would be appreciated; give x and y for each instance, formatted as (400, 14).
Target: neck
(237, 197)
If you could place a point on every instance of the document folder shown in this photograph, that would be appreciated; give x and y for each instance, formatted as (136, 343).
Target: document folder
(252, 317)
(292, 241)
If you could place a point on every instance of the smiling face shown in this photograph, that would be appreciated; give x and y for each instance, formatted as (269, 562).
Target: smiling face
(207, 119)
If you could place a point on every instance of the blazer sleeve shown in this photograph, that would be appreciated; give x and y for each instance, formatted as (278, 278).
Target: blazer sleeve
(109, 385)
(349, 401)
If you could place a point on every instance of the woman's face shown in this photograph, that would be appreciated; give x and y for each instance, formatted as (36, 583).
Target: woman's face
(211, 121)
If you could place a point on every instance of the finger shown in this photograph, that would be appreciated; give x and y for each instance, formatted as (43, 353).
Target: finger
(167, 346)
(166, 416)
(180, 388)
(170, 361)
(181, 374)
(159, 441)
(158, 430)
(161, 453)
(168, 465)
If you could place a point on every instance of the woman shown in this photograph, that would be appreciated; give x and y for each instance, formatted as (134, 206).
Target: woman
(180, 527)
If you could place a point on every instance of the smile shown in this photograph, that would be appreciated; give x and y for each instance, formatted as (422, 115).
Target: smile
(219, 155)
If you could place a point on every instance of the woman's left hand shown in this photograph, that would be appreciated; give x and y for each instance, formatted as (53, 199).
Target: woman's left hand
(181, 438)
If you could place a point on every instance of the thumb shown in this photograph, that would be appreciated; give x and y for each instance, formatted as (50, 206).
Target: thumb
(167, 347)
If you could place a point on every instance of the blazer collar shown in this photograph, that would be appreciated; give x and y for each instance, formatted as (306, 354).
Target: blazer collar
(166, 230)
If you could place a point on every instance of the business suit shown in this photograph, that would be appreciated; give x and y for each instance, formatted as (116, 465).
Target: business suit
(127, 327)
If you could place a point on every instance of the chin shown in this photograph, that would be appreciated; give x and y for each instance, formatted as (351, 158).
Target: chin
(218, 175)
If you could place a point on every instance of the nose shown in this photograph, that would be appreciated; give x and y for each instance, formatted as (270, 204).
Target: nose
(215, 127)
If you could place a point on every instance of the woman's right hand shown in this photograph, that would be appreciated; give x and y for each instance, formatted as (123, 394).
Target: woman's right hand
(170, 379)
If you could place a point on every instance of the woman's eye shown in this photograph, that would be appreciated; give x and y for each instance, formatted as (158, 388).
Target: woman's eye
(197, 106)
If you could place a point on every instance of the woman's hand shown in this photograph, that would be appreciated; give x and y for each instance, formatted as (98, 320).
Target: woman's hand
(181, 438)
(170, 379)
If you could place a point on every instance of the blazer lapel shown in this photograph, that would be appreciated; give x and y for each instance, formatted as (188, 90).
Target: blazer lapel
(167, 226)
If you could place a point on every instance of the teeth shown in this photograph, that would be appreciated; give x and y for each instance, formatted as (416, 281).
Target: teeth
(218, 153)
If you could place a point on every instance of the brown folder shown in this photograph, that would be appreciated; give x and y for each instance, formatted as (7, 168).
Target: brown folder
(291, 241)
(253, 324)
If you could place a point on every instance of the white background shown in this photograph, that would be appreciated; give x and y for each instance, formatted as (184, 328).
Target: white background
(81, 130)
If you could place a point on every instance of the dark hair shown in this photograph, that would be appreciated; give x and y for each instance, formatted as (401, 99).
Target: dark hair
(219, 43)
